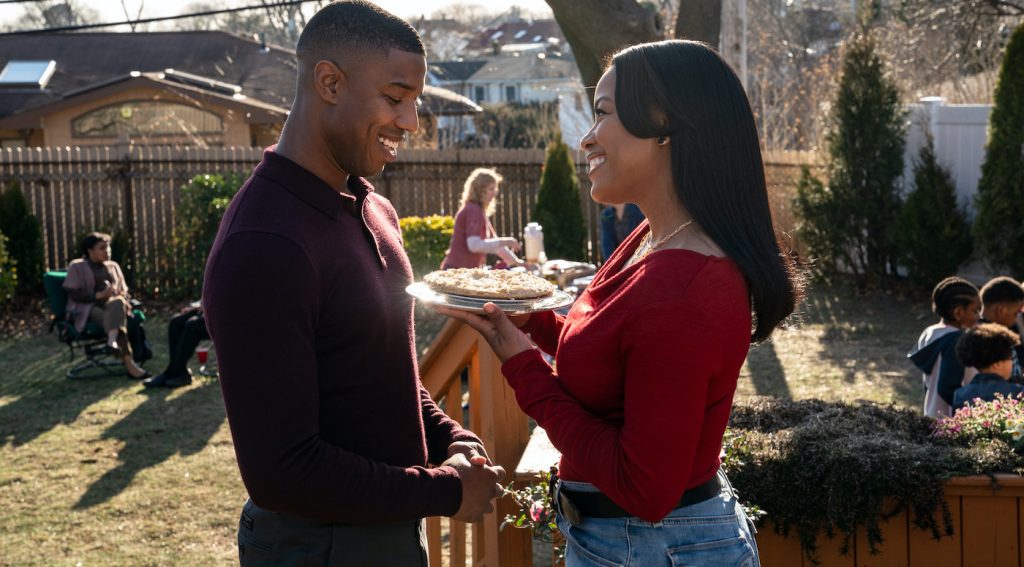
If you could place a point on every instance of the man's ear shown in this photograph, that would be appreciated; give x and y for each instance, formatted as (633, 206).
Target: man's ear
(328, 80)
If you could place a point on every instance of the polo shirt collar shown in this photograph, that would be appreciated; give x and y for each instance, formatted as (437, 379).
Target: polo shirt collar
(309, 188)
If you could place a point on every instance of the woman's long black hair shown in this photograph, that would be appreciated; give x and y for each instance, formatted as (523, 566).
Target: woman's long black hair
(684, 90)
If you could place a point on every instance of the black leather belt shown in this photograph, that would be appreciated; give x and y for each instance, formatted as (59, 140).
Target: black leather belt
(597, 505)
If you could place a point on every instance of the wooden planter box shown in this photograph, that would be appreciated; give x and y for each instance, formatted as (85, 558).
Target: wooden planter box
(988, 526)
(988, 529)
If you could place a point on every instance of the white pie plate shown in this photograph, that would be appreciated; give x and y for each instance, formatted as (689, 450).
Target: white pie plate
(422, 292)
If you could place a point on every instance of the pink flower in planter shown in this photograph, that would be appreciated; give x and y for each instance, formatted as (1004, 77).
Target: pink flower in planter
(537, 512)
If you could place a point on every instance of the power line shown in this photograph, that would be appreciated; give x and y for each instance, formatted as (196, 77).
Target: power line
(151, 20)
(20, 1)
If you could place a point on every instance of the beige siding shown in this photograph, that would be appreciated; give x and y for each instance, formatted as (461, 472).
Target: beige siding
(57, 126)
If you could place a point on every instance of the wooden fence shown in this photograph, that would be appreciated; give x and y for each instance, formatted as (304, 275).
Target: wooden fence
(135, 189)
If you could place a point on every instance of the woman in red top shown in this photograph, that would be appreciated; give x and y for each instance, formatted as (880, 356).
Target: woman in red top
(649, 355)
(473, 236)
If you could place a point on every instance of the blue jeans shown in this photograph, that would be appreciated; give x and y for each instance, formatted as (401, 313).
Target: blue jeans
(712, 533)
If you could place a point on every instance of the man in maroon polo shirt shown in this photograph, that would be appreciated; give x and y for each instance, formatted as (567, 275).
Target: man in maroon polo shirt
(304, 295)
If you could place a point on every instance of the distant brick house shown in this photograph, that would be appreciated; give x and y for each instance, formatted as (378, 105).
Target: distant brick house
(205, 88)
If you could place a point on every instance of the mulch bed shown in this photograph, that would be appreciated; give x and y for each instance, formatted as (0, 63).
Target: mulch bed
(24, 317)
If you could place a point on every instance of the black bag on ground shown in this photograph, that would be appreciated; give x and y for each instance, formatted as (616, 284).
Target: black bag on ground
(142, 350)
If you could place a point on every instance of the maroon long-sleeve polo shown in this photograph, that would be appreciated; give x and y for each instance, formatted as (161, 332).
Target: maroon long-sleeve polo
(305, 300)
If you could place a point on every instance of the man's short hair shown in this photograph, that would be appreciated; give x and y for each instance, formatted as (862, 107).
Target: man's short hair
(1003, 289)
(985, 345)
(354, 27)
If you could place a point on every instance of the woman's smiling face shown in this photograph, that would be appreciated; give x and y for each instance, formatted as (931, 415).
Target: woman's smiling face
(620, 163)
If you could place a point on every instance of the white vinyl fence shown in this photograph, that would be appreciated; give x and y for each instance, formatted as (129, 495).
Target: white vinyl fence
(960, 133)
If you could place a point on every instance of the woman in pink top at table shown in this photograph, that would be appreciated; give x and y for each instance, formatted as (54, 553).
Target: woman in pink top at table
(474, 236)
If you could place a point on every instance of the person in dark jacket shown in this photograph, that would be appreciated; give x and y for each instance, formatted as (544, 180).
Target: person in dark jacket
(184, 333)
(617, 222)
(989, 348)
(956, 302)
(1001, 301)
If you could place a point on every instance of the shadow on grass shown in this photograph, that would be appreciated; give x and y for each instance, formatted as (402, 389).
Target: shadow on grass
(45, 398)
(40, 398)
(156, 430)
(766, 372)
(869, 332)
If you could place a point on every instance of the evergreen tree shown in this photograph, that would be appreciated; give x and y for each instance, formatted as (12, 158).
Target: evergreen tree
(999, 224)
(24, 239)
(933, 235)
(558, 205)
(848, 222)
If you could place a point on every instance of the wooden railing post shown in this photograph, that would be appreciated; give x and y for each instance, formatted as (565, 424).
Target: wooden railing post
(504, 429)
(495, 417)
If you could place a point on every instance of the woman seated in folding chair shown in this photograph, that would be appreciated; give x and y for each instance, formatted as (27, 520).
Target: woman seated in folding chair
(97, 291)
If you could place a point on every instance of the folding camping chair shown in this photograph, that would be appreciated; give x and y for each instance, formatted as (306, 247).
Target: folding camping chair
(92, 341)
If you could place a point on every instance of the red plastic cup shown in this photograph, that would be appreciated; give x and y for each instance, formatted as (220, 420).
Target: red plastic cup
(201, 354)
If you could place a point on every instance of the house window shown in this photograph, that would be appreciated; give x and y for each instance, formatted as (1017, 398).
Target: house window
(146, 117)
(479, 93)
(510, 93)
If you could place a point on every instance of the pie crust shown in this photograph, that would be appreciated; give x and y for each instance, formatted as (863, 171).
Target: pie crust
(490, 284)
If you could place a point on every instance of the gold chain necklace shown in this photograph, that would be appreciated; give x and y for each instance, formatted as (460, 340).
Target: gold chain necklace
(645, 247)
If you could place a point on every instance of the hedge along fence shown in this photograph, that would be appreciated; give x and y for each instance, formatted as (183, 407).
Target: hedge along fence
(137, 189)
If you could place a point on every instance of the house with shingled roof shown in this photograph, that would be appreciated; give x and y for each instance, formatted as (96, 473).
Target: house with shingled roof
(199, 88)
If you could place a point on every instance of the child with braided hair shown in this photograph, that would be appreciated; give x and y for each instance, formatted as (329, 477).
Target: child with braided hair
(957, 302)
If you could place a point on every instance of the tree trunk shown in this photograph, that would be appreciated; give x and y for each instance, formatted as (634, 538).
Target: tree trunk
(700, 20)
(596, 29)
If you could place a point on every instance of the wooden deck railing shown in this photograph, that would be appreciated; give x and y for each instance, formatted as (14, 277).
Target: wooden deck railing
(497, 420)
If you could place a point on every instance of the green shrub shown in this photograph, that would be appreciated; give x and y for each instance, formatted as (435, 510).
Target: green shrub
(196, 219)
(848, 222)
(999, 224)
(558, 205)
(933, 235)
(426, 239)
(830, 468)
(24, 239)
(8, 272)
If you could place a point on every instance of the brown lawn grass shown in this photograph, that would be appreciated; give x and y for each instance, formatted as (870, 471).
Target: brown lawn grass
(103, 472)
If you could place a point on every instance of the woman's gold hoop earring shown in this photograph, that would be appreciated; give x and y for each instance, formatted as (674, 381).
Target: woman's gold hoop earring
(662, 140)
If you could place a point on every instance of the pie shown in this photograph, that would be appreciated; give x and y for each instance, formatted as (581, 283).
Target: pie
(488, 284)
